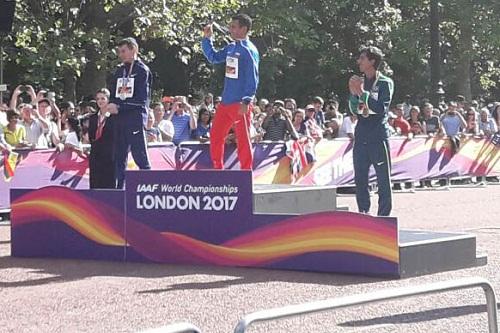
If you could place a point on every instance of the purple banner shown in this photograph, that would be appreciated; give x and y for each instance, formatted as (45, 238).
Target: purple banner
(190, 197)
(199, 218)
(412, 160)
(37, 230)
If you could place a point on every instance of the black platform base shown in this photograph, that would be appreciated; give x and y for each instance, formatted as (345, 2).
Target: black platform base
(427, 252)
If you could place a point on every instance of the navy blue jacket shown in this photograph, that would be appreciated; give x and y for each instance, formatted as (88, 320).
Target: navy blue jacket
(141, 98)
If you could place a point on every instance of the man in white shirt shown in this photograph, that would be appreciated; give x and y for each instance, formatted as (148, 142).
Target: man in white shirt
(487, 125)
(165, 126)
(51, 113)
(36, 126)
(348, 127)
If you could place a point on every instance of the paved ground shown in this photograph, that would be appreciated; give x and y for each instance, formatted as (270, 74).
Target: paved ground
(78, 296)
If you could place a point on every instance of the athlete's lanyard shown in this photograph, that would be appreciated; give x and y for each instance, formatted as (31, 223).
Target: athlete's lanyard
(125, 81)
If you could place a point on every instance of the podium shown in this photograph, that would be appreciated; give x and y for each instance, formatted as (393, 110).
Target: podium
(209, 218)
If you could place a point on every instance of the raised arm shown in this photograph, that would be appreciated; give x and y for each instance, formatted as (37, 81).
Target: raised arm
(462, 120)
(15, 97)
(291, 129)
(192, 117)
(213, 56)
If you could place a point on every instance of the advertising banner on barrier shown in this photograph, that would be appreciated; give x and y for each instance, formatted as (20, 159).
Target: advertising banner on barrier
(412, 160)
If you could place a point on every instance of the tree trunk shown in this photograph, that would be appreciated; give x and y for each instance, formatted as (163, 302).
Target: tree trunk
(92, 78)
(69, 85)
(435, 60)
(465, 50)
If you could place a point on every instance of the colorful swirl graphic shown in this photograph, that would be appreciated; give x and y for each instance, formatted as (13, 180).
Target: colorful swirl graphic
(278, 241)
(103, 226)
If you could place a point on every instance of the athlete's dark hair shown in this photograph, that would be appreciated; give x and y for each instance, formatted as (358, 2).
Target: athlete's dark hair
(244, 20)
(373, 53)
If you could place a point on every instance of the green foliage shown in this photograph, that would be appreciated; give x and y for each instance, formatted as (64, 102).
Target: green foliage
(308, 47)
(54, 38)
(411, 46)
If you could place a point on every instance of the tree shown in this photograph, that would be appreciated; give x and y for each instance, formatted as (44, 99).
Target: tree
(68, 46)
(307, 47)
(435, 48)
(310, 47)
(471, 46)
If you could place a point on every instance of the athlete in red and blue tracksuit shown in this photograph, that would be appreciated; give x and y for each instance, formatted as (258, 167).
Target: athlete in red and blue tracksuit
(131, 92)
(240, 86)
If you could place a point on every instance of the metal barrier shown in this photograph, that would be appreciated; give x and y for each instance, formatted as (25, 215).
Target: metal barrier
(175, 328)
(383, 295)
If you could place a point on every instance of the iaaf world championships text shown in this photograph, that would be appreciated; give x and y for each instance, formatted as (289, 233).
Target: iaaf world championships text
(187, 188)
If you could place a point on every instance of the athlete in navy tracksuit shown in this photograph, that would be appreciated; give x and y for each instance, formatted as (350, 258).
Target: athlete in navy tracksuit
(130, 94)
(370, 99)
(240, 86)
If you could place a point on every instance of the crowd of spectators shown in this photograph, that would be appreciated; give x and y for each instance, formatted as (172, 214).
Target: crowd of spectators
(35, 120)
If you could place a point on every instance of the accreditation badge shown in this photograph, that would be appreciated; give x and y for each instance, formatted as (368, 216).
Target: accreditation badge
(125, 88)
(232, 67)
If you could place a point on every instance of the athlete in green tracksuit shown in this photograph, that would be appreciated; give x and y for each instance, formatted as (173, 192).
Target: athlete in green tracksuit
(370, 99)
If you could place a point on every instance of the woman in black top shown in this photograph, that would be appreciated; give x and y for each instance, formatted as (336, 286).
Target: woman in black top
(102, 132)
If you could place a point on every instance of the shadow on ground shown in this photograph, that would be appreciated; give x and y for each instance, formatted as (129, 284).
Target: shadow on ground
(61, 270)
(421, 316)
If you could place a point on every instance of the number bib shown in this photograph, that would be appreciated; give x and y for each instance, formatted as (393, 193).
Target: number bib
(125, 88)
(232, 67)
